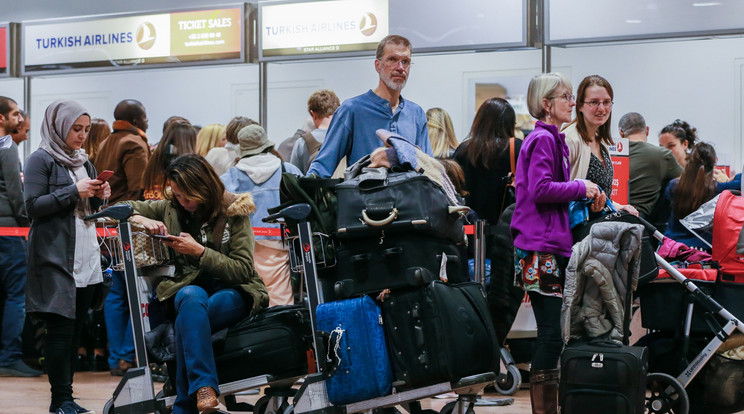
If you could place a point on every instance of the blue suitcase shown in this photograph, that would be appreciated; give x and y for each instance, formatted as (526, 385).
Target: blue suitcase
(357, 347)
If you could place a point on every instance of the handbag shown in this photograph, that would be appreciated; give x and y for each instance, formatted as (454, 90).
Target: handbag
(510, 196)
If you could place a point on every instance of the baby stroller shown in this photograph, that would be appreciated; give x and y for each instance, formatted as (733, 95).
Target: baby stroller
(704, 306)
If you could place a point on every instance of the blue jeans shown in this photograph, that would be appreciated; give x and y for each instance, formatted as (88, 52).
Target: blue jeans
(118, 323)
(198, 315)
(12, 297)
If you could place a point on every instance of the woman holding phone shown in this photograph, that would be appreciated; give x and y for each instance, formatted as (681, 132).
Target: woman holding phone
(215, 284)
(64, 262)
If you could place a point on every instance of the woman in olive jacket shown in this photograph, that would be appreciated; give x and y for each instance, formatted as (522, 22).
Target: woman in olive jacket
(215, 283)
(64, 262)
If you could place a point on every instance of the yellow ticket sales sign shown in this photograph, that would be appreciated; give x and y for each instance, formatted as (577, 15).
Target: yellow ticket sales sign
(132, 41)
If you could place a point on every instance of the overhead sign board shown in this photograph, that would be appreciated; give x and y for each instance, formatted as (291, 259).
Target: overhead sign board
(4, 50)
(134, 40)
(297, 30)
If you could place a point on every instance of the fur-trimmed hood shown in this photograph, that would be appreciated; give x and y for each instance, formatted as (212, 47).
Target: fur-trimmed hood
(239, 204)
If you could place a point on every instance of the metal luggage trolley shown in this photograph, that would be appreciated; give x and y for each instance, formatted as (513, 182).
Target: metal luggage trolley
(143, 260)
(312, 395)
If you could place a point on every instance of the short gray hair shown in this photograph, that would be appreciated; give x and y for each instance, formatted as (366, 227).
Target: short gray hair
(544, 86)
(631, 123)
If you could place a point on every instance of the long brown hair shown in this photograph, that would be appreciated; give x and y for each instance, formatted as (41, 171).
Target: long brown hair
(604, 134)
(198, 181)
(179, 139)
(489, 136)
(99, 130)
(696, 186)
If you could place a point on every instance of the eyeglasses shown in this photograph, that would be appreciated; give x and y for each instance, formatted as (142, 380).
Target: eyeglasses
(394, 62)
(595, 104)
(567, 96)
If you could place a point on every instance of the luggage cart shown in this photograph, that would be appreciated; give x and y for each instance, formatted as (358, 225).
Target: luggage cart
(312, 395)
(135, 394)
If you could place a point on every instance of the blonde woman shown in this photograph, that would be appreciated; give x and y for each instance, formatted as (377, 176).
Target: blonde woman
(441, 133)
(209, 137)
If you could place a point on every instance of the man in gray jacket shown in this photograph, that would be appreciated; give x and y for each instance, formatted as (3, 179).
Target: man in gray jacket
(12, 248)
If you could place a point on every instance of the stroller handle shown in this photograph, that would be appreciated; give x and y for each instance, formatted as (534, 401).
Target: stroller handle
(651, 229)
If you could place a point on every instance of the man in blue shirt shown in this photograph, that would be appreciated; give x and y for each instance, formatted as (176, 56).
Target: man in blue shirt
(352, 130)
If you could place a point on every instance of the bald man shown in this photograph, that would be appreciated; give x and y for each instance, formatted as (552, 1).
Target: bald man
(126, 151)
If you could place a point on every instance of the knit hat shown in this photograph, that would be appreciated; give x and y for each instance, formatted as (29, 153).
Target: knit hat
(253, 140)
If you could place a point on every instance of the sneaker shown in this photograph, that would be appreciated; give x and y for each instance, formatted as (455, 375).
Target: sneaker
(71, 407)
(19, 369)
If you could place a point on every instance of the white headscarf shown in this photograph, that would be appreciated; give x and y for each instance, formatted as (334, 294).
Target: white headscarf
(59, 117)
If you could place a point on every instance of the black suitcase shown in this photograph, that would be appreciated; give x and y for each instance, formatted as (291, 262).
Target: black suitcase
(603, 378)
(389, 202)
(439, 332)
(276, 342)
(371, 264)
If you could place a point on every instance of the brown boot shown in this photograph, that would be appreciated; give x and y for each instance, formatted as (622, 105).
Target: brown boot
(206, 400)
(544, 391)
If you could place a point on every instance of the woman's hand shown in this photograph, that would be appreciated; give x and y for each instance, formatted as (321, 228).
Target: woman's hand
(88, 187)
(184, 244)
(592, 190)
(104, 191)
(599, 203)
(152, 226)
(720, 176)
(627, 207)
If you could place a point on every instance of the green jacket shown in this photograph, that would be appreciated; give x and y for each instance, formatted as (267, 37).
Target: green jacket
(233, 264)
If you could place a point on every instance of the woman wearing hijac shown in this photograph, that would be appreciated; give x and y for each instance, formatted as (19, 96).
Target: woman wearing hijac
(542, 239)
(589, 135)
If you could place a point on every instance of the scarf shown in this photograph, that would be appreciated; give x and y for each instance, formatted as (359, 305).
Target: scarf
(59, 117)
(126, 126)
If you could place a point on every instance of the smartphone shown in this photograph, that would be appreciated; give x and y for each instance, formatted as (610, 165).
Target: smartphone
(105, 175)
(162, 236)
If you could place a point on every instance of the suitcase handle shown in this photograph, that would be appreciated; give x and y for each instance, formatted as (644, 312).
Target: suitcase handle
(461, 210)
(377, 223)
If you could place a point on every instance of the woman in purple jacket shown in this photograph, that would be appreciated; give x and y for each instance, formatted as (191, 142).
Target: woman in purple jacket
(542, 239)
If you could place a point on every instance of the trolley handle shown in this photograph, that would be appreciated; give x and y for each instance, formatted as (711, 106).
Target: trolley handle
(119, 212)
(296, 212)
(651, 229)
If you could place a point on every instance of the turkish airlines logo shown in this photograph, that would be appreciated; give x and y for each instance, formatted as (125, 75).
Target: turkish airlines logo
(368, 25)
(619, 147)
(145, 35)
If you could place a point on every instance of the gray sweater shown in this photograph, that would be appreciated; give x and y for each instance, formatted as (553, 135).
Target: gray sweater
(12, 209)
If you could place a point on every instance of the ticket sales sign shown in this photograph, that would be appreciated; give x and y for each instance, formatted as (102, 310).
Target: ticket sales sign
(620, 155)
(166, 38)
(322, 27)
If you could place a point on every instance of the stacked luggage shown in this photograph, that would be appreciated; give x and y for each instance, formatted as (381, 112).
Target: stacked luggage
(403, 314)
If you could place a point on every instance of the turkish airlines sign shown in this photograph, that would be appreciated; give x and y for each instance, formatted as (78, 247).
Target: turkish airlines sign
(165, 38)
(293, 29)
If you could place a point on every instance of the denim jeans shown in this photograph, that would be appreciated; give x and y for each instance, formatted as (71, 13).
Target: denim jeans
(12, 297)
(118, 323)
(549, 344)
(198, 315)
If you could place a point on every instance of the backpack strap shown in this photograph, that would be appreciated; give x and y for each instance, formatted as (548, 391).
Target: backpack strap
(512, 159)
(312, 144)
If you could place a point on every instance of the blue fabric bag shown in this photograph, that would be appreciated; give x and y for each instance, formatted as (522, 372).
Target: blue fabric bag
(357, 348)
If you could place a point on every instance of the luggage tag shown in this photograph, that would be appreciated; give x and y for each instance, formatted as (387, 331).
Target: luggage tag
(443, 268)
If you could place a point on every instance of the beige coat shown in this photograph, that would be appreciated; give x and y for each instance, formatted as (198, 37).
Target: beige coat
(579, 153)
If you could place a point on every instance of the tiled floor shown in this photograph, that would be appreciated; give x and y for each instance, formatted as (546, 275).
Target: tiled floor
(31, 395)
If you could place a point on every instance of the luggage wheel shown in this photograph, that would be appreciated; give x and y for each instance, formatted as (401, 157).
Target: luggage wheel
(463, 405)
(508, 383)
(664, 394)
(271, 404)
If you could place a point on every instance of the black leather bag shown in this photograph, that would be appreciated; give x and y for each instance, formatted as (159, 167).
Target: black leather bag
(603, 377)
(378, 201)
(276, 342)
(439, 332)
(371, 264)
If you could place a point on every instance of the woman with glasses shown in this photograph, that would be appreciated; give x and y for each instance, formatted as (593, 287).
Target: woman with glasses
(542, 239)
(588, 137)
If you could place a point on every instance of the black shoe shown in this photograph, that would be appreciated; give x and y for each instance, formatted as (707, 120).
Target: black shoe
(98, 363)
(71, 407)
(19, 369)
(81, 363)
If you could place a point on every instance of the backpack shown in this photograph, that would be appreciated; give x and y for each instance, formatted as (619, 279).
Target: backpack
(313, 147)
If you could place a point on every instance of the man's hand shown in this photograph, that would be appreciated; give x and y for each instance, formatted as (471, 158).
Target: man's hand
(379, 158)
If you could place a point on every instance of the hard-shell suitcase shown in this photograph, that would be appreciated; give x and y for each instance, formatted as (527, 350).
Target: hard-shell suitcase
(440, 332)
(389, 202)
(357, 348)
(371, 264)
(276, 341)
(603, 377)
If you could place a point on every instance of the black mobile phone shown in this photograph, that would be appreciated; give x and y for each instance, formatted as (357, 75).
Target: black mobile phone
(161, 236)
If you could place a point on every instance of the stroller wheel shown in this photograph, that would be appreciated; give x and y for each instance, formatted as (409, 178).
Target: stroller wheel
(664, 394)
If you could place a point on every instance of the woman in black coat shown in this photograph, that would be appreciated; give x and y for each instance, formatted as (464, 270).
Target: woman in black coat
(63, 256)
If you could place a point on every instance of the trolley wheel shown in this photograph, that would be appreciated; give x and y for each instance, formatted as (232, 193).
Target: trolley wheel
(290, 409)
(108, 408)
(268, 405)
(448, 408)
(428, 411)
(664, 394)
(509, 383)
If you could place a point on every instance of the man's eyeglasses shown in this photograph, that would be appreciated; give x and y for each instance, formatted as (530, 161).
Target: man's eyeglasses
(393, 62)
(595, 104)
(567, 96)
